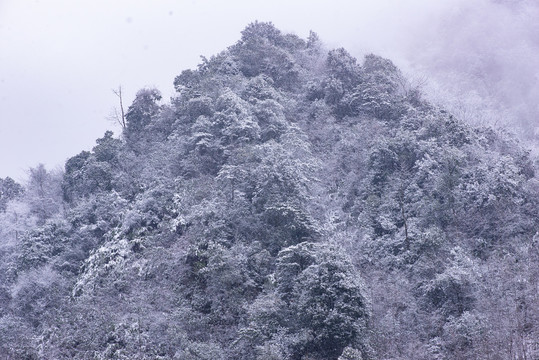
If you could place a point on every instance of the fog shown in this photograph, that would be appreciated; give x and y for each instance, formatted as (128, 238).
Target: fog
(482, 61)
(59, 60)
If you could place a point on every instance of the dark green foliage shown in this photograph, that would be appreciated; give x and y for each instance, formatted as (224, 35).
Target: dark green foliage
(199, 106)
(344, 68)
(42, 245)
(9, 190)
(188, 80)
(263, 49)
(89, 173)
(325, 296)
(316, 308)
(145, 107)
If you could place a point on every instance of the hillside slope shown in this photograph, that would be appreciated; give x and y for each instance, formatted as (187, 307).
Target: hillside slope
(288, 203)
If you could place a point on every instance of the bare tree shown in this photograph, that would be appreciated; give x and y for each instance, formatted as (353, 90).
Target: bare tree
(116, 116)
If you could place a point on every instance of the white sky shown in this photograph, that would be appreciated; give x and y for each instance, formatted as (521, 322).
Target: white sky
(59, 60)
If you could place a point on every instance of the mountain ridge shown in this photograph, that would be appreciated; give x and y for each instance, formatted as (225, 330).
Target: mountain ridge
(288, 203)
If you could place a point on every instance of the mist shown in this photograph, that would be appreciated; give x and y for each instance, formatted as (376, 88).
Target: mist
(59, 61)
(481, 62)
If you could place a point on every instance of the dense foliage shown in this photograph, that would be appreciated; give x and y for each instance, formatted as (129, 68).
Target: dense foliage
(288, 203)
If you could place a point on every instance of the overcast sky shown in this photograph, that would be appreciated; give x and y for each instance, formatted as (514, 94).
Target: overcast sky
(59, 59)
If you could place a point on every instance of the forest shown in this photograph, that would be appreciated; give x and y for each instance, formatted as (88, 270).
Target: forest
(288, 202)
